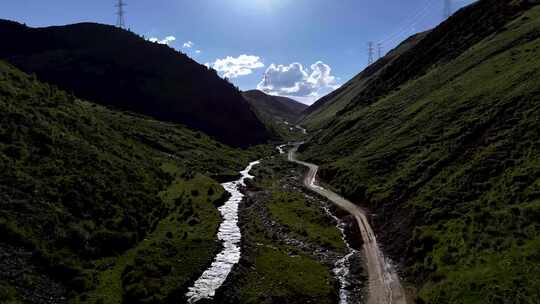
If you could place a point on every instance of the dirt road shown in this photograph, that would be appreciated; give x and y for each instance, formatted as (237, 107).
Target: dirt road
(384, 284)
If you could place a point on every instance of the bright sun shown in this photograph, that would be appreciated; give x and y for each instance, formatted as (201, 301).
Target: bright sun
(265, 5)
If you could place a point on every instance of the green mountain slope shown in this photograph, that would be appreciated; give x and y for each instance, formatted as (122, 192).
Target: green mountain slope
(96, 205)
(279, 114)
(117, 68)
(444, 147)
(325, 109)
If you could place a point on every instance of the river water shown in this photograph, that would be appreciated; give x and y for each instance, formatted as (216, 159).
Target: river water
(342, 268)
(229, 234)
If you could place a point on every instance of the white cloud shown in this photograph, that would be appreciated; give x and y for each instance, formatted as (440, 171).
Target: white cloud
(198, 51)
(321, 76)
(242, 65)
(167, 40)
(188, 44)
(295, 80)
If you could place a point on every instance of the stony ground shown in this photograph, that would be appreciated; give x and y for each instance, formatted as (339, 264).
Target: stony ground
(33, 287)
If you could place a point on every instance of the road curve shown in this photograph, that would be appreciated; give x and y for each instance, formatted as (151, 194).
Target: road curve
(384, 284)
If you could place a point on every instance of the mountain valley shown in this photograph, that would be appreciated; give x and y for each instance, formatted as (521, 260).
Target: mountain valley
(416, 181)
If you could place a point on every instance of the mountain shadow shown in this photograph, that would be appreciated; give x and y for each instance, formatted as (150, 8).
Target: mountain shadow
(118, 68)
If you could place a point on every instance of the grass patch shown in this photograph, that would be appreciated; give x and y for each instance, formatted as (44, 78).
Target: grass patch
(8, 295)
(282, 273)
(177, 251)
(281, 278)
(306, 221)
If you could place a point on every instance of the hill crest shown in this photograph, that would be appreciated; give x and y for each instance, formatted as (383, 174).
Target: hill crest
(117, 68)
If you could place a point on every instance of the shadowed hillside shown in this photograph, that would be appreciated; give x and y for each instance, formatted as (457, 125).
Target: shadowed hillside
(280, 114)
(117, 68)
(443, 146)
(97, 206)
(277, 107)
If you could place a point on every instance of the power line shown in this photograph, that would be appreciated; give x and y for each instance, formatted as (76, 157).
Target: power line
(447, 9)
(411, 23)
(120, 13)
(406, 22)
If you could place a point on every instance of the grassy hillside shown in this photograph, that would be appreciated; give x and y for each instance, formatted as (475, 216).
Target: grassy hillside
(325, 109)
(99, 206)
(415, 56)
(115, 67)
(445, 149)
(279, 114)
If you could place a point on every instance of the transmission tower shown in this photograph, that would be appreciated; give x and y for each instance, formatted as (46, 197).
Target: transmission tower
(371, 53)
(447, 9)
(379, 50)
(120, 13)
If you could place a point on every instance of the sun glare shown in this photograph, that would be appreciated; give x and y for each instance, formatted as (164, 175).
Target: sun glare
(261, 5)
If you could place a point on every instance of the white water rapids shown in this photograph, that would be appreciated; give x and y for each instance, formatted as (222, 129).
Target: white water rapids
(342, 267)
(229, 233)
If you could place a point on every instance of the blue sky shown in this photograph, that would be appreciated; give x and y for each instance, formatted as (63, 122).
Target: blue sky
(305, 48)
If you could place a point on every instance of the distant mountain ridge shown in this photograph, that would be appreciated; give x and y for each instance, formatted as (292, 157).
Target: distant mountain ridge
(117, 68)
(275, 106)
(279, 114)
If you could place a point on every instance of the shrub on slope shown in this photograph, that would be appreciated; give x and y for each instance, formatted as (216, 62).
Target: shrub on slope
(82, 187)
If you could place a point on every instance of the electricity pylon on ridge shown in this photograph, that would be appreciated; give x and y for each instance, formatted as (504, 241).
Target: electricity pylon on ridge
(120, 14)
(371, 52)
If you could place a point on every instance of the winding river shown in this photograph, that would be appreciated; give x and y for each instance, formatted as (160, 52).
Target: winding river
(229, 234)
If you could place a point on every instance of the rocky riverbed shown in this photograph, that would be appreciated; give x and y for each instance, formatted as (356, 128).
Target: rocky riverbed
(348, 268)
